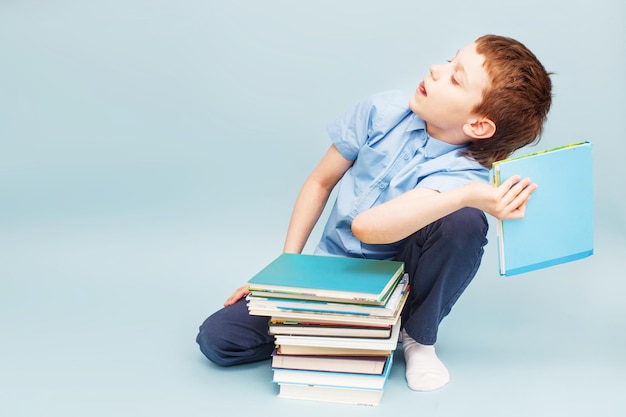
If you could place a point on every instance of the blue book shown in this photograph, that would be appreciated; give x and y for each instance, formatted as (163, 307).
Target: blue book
(558, 223)
(366, 281)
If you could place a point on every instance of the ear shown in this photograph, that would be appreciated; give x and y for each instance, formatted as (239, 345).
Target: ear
(482, 128)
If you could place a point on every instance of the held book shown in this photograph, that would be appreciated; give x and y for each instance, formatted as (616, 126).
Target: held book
(558, 223)
(367, 281)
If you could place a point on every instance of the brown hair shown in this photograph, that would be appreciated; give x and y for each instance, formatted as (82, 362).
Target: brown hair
(517, 101)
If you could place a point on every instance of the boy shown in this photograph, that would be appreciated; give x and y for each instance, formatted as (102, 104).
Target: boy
(413, 186)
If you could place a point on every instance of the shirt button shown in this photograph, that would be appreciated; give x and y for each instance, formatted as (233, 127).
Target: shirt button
(382, 185)
(405, 156)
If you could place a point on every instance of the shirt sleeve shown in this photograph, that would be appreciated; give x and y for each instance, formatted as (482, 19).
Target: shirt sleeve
(350, 131)
(455, 171)
(445, 180)
(353, 129)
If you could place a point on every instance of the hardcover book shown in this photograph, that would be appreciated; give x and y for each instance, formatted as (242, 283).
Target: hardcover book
(355, 396)
(349, 364)
(282, 305)
(342, 342)
(331, 317)
(330, 351)
(334, 379)
(367, 281)
(558, 222)
(309, 328)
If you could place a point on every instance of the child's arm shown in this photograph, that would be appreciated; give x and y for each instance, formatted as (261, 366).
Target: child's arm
(398, 218)
(313, 197)
(308, 207)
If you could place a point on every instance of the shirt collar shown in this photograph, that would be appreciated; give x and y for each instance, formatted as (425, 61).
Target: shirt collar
(432, 147)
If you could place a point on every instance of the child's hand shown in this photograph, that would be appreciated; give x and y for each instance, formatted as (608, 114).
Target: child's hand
(505, 202)
(237, 295)
(514, 196)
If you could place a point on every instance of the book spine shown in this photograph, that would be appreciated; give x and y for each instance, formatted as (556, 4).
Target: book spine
(497, 181)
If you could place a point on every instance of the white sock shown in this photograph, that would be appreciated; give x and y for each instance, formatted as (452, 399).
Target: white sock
(424, 370)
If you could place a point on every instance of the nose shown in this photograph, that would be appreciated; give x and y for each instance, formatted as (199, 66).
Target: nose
(435, 70)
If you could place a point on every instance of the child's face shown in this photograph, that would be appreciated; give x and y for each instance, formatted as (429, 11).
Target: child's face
(446, 97)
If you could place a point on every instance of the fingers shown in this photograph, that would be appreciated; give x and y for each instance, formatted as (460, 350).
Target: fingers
(237, 295)
(510, 182)
(517, 208)
(517, 192)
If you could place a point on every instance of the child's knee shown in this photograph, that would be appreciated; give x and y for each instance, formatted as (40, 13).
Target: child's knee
(467, 226)
(212, 345)
(231, 336)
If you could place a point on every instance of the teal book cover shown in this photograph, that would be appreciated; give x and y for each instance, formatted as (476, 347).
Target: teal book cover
(558, 223)
(329, 276)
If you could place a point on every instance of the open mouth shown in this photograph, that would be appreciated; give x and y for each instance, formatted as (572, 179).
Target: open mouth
(422, 89)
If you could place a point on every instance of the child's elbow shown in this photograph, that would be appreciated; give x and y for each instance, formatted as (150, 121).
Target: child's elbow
(361, 229)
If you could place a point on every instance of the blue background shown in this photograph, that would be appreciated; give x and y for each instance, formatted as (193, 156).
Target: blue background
(150, 155)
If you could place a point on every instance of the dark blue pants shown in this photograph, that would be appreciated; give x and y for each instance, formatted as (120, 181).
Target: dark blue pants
(441, 260)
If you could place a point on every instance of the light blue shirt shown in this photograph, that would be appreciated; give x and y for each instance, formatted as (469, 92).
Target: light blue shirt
(392, 154)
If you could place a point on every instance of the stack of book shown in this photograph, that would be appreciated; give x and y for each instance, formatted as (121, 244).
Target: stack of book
(335, 321)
